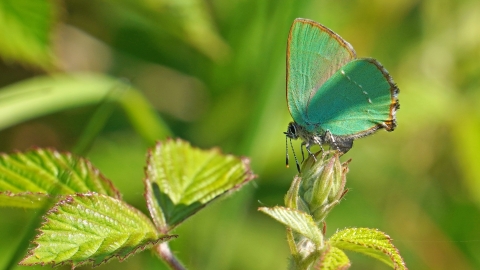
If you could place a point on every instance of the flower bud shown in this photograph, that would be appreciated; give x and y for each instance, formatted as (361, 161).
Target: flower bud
(322, 184)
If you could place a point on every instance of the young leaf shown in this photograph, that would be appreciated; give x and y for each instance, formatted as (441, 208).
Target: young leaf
(91, 228)
(26, 27)
(298, 221)
(181, 179)
(333, 259)
(370, 242)
(26, 179)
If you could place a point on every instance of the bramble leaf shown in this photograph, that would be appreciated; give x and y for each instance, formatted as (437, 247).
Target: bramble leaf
(371, 242)
(28, 178)
(333, 259)
(181, 179)
(298, 221)
(93, 228)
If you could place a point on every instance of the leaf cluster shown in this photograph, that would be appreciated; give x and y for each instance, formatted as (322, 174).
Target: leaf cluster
(89, 221)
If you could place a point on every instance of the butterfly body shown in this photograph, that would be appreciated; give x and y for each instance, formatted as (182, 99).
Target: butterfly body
(333, 96)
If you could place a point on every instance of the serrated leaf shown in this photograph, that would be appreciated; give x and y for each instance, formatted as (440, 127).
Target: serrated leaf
(91, 228)
(25, 31)
(181, 179)
(333, 259)
(26, 179)
(370, 242)
(298, 221)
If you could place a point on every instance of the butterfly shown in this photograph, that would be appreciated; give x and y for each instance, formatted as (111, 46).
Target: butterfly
(333, 96)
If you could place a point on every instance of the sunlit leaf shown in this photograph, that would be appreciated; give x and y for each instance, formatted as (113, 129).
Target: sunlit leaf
(333, 259)
(28, 178)
(298, 221)
(370, 242)
(25, 31)
(181, 179)
(91, 228)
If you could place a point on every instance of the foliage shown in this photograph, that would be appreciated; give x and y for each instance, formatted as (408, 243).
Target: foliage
(105, 79)
(315, 191)
(91, 223)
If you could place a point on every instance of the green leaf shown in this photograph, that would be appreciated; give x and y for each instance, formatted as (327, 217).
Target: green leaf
(27, 179)
(91, 228)
(332, 259)
(44, 95)
(370, 242)
(181, 179)
(26, 28)
(298, 221)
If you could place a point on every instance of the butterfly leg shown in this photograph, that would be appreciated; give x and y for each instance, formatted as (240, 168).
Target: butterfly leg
(301, 149)
(307, 146)
(328, 137)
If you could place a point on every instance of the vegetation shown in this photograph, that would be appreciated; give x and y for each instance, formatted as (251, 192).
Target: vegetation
(106, 79)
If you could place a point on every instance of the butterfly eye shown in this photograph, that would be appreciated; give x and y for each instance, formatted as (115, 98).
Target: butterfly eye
(292, 131)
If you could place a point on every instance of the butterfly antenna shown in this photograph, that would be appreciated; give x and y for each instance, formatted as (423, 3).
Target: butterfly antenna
(295, 156)
(286, 147)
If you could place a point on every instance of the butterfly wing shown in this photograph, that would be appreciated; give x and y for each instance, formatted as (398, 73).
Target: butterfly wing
(314, 54)
(358, 99)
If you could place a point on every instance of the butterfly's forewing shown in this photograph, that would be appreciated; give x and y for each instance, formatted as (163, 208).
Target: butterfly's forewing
(358, 99)
(314, 53)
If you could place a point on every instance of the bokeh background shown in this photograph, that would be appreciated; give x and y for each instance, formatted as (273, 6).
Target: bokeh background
(213, 72)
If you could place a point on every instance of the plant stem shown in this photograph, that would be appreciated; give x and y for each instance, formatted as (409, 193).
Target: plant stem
(163, 250)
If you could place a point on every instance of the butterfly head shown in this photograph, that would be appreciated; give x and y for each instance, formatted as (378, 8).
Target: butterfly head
(292, 132)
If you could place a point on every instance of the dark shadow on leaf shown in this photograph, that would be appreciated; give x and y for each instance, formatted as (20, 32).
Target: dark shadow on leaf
(174, 213)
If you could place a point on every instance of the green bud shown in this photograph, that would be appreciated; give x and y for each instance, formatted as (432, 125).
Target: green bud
(292, 200)
(322, 184)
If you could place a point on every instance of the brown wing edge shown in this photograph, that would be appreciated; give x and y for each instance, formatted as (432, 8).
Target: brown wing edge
(391, 123)
(324, 29)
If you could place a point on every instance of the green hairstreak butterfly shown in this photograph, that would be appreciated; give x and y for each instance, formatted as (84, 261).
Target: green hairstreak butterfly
(333, 96)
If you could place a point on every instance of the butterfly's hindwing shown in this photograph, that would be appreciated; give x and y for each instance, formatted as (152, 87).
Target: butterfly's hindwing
(357, 100)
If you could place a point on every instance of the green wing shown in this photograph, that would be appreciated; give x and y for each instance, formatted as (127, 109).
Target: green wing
(358, 99)
(314, 54)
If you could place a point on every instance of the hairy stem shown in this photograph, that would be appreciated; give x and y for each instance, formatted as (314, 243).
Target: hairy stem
(163, 250)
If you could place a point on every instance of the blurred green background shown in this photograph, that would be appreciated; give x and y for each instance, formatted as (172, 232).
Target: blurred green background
(116, 75)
